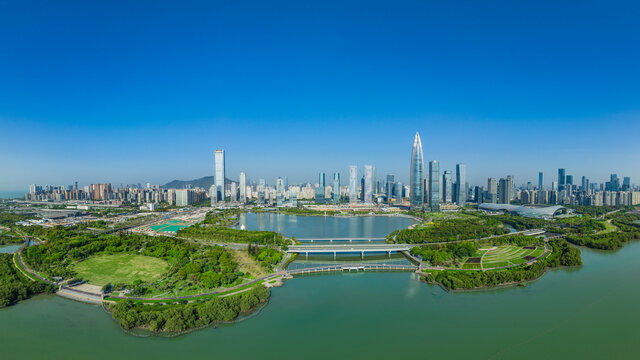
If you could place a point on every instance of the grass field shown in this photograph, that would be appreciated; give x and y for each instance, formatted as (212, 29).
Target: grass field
(121, 268)
(608, 227)
(508, 255)
(502, 256)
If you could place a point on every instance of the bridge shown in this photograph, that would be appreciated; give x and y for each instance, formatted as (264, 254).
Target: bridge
(331, 240)
(352, 267)
(349, 249)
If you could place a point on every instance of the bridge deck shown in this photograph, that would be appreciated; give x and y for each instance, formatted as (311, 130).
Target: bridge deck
(346, 248)
(353, 267)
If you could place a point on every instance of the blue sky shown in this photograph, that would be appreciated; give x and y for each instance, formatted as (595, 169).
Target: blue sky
(130, 91)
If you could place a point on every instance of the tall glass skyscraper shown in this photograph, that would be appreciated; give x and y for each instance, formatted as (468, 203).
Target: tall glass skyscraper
(434, 185)
(561, 179)
(389, 187)
(219, 174)
(368, 184)
(261, 190)
(416, 175)
(243, 187)
(353, 184)
(492, 191)
(336, 187)
(280, 191)
(320, 190)
(461, 184)
(447, 187)
(540, 181)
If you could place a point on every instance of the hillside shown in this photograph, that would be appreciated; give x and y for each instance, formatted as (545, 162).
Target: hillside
(203, 182)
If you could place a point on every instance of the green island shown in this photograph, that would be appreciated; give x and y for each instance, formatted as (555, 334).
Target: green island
(173, 284)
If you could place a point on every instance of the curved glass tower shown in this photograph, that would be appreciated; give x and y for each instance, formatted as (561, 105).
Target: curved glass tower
(417, 175)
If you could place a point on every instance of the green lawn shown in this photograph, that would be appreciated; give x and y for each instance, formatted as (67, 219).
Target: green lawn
(121, 268)
(507, 255)
(608, 227)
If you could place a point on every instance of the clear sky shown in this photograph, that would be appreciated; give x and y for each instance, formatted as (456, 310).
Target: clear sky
(128, 92)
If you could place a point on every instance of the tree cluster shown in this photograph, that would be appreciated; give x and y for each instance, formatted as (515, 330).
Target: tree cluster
(179, 318)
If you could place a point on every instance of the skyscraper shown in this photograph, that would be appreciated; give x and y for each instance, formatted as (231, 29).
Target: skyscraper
(280, 191)
(569, 180)
(243, 187)
(492, 191)
(447, 187)
(417, 175)
(434, 185)
(353, 184)
(389, 187)
(503, 192)
(626, 183)
(461, 184)
(540, 181)
(368, 184)
(320, 190)
(261, 190)
(219, 174)
(336, 187)
(561, 179)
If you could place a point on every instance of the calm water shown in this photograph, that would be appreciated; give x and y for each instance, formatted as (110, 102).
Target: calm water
(324, 226)
(588, 313)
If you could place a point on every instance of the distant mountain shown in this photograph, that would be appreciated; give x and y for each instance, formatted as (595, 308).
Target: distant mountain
(203, 182)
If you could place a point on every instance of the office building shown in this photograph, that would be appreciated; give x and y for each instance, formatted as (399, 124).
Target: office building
(336, 187)
(219, 174)
(416, 175)
(434, 185)
(461, 184)
(368, 184)
(561, 179)
(540, 181)
(243, 187)
(321, 189)
(447, 187)
(353, 184)
(389, 187)
(492, 191)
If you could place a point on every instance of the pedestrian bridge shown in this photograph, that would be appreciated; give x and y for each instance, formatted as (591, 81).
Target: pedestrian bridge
(361, 249)
(336, 239)
(352, 267)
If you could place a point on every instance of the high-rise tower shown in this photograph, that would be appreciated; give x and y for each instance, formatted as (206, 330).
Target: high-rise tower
(353, 184)
(219, 174)
(336, 187)
(243, 187)
(461, 184)
(417, 175)
(434, 185)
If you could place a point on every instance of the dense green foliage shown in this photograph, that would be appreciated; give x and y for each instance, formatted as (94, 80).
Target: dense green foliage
(9, 219)
(14, 286)
(10, 238)
(445, 255)
(451, 230)
(191, 264)
(608, 241)
(223, 234)
(519, 222)
(563, 255)
(179, 318)
(266, 257)
(215, 228)
(594, 211)
(585, 232)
